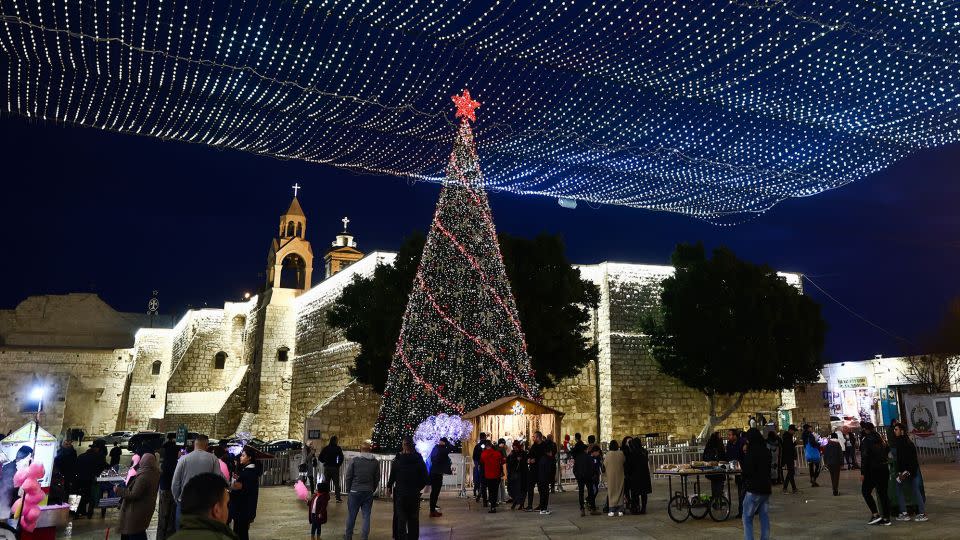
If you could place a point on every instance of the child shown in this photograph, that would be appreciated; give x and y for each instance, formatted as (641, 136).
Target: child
(317, 511)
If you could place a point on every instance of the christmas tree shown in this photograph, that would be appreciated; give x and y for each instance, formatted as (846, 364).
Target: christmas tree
(460, 344)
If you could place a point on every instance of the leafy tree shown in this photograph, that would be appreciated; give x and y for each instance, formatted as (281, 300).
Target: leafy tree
(554, 304)
(727, 327)
(939, 369)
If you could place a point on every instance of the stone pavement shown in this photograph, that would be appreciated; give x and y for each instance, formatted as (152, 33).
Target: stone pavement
(814, 513)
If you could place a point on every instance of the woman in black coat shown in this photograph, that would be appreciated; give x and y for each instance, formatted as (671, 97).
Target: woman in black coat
(244, 493)
(639, 477)
(517, 475)
(627, 468)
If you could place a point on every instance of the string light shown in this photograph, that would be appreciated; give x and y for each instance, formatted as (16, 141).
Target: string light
(460, 345)
(714, 109)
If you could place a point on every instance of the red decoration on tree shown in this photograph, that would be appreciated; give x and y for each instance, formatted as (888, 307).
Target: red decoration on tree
(465, 106)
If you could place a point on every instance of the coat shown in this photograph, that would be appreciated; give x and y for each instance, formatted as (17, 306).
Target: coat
(408, 475)
(833, 454)
(140, 497)
(243, 501)
(639, 464)
(614, 463)
(317, 510)
(440, 460)
(202, 528)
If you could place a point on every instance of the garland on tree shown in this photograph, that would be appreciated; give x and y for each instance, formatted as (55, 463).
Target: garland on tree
(461, 345)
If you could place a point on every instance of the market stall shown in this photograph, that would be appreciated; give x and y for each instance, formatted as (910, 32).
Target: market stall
(512, 418)
(690, 500)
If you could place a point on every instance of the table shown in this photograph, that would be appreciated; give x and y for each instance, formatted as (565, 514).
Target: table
(683, 505)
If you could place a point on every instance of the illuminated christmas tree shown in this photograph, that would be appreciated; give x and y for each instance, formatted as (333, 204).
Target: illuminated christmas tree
(460, 345)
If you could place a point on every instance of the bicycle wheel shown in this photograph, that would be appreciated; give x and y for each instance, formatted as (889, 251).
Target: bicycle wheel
(720, 508)
(678, 508)
(700, 509)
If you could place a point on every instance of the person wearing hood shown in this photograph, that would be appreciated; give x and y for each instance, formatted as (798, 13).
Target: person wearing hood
(8, 493)
(439, 465)
(332, 457)
(89, 466)
(639, 477)
(139, 499)
(245, 493)
(755, 470)
(361, 482)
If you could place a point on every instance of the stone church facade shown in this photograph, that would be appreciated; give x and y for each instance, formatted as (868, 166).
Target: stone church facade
(270, 364)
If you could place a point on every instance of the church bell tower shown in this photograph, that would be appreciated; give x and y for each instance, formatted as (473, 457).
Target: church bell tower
(290, 261)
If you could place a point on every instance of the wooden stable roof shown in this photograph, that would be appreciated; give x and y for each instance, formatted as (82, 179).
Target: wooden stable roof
(504, 405)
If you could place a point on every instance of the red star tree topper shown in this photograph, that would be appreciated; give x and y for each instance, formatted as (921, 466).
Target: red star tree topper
(461, 345)
(465, 106)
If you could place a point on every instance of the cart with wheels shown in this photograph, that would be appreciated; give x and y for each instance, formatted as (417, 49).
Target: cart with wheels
(688, 501)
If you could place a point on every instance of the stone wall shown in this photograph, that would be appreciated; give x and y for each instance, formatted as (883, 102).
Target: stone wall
(350, 415)
(811, 407)
(576, 397)
(275, 371)
(147, 391)
(83, 388)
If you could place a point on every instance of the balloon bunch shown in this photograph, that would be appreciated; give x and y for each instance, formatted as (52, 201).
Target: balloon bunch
(135, 460)
(28, 506)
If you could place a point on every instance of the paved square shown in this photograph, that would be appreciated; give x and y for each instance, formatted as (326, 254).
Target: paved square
(813, 513)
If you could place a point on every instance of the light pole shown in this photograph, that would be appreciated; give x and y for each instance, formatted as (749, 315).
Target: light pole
(36, 394)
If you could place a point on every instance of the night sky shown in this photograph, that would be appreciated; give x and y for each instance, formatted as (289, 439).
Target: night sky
(120, 215)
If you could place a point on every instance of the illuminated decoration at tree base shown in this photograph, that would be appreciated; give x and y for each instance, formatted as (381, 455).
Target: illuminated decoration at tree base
(460, 345)
(434, 428)
(713, 109)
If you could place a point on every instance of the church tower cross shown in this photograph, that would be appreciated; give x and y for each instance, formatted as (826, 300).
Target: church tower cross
(345, 221)
(296, 187)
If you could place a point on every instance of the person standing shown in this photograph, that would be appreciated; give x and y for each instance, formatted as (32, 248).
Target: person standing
(788, 457)
(439, 465)
(546, 473)
(833, 459)
(332, 458)
(115, 454)
(735, 443)
(583, 472)
(502, 448)
(167, 510)
(245, 493)
(66, 462)
(517, 475)
(908, 475)
(317, 510)
(756, 485)
(597, 463)
(811, 451)
(197, 462)
(408, 476)
(139, 499)
(89, 466)
(773, 445)
(714, 451)
(492, 461)
(614, 463)
(640, 486)
(479, 489)
(361, 482)
(874, 474)
(533, 468)
(850, 447)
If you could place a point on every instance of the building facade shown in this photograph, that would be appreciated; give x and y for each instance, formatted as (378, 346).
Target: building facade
(270, 364)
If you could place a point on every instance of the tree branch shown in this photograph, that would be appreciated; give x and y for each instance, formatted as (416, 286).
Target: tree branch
(729, 410)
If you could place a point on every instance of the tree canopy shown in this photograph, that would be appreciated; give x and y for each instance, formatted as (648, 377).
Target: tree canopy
(553, 302)
(727, 327)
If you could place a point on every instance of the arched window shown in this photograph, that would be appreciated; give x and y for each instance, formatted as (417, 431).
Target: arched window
(220, 360)
(283, 354)
(290, 228)
(299, 229)
(155, 368)
(293, 273)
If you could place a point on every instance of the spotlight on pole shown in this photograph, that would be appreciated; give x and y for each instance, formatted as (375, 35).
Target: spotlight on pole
(36, 394)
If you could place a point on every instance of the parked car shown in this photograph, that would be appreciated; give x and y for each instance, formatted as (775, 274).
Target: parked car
(851, 422)
(283, 445)
(235, 441)
(152, 439)
(121, 437)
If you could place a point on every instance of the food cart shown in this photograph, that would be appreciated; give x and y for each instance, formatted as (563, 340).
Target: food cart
(689, 501)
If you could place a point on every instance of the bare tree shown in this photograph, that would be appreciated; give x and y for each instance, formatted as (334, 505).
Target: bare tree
(934, 372)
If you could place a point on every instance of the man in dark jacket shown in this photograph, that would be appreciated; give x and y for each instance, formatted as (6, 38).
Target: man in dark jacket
(833, 459)
(332, 457)
(735, 444)
(788, 458)
(533, 468)
(874, 473)
(439, 466)
(583, 472)
(408, 476)
(66, 463)
(166, 513)
(547, 472)
(755, 470)
(89, 466)
(479, 486)
(205, 509)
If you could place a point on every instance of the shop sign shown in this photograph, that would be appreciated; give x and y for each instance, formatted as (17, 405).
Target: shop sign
(852, 382)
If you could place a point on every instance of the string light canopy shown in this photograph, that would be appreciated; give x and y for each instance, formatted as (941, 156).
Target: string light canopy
(716, 109)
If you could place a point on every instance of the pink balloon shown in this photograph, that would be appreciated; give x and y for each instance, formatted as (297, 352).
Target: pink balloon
(302, 492)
